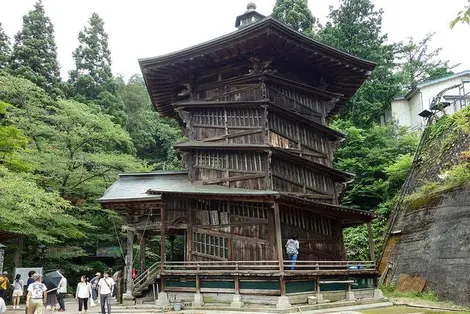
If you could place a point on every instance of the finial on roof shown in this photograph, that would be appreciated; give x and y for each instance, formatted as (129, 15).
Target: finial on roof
(251, 6)
(249, 17)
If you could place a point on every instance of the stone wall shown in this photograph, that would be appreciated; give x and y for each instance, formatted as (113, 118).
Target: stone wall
(430, 239)
(435, 245)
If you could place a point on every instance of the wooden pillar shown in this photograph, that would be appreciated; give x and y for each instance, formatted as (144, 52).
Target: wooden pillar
(129, 261)
(279, 248)
(162, 235)
(277, 226)
(143, 248)
(198, 281)
(237, 284)
(189, 232)
(371, 242)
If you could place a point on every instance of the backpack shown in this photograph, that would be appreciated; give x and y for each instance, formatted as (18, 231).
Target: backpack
(291, 248)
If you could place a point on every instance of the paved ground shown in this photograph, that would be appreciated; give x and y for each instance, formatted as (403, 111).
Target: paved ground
(378, 308)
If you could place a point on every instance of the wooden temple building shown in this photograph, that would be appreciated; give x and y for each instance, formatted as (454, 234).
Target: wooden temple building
(254, 105)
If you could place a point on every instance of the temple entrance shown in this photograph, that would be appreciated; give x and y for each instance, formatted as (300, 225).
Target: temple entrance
(175, 246)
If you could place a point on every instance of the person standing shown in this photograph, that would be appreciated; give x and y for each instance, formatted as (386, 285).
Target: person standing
(94, 288)
(105, 290)
(83, 294)
(292, 250)
(37, 295)
(30, 278)
(62, 290)
(4, 283)
(18, 291)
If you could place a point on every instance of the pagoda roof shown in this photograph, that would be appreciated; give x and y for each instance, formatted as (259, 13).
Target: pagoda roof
(267, 39)
(152, 186)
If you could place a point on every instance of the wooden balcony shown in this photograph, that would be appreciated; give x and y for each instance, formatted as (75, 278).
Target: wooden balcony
(268, 268)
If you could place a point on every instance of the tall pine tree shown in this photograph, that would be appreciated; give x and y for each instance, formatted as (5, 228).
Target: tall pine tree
(34, 55)
(296, 15)
(356, 27)
(5, 50)
(92, 78)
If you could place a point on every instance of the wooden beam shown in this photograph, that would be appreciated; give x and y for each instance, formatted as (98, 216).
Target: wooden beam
(231, 236)
(235, 224)
(232, 135)
(234, 178)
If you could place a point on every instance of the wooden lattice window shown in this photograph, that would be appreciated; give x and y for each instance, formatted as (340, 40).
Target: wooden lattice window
(211, 245)
(305, 220)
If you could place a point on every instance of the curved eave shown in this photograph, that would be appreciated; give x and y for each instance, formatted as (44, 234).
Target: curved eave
(161, 73)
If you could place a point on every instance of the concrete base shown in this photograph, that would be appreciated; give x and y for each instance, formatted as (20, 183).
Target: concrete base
(350, 296)
(378, 294)
(162, 300)
(198, 300)
(283, 303)
(311, 300)
(237, 301)
(128, 299)
(319, 297)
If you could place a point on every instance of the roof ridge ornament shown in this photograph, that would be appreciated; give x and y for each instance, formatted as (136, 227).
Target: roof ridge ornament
(249, 17)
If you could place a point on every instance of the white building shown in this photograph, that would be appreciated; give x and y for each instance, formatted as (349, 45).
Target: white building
(412, 109)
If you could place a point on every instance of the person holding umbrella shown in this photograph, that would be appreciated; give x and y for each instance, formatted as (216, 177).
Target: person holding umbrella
(37, 295)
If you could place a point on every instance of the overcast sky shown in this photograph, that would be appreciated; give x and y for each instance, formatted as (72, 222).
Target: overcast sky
(147, 28)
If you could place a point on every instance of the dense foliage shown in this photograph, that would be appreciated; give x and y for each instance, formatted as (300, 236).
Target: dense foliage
(63, 143)
(295, 14)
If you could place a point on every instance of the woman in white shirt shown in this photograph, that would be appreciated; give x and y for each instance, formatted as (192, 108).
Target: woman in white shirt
(83, 294)
(18, 291)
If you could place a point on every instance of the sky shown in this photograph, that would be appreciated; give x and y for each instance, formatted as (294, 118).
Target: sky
(148, 28)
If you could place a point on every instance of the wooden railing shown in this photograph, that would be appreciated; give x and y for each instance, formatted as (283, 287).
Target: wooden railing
(265, 267)
(146, 277)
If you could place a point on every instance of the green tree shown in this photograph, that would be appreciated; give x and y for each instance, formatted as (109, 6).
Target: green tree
(93, 58)
(12, 140)
(296, 15)
(381, 168)
(356, 28)
(34, 55)
(92, 78)
(418, 64)
(75, 152)
(152, 135)
(385, 145)
(5, 50)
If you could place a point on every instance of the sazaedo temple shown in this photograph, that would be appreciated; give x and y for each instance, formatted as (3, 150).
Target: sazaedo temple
(254, 105)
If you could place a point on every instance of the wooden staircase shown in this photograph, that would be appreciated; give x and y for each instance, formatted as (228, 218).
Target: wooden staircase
(144, 281)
